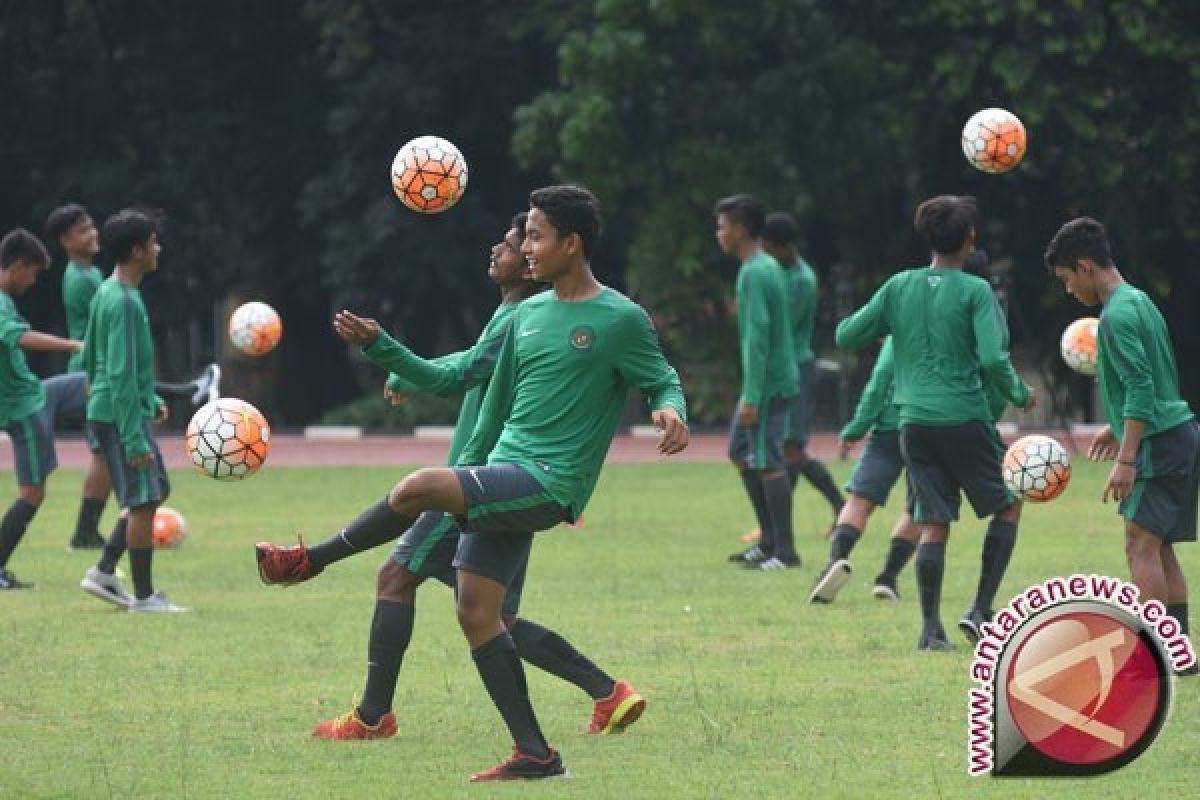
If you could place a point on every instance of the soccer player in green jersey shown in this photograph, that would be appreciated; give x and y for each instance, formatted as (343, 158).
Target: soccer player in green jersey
(948, 338)
(28, 407)
(427, 549)
(118, 355)
(1151, 431)
(555, 399)
(769, 382)
(780, 237)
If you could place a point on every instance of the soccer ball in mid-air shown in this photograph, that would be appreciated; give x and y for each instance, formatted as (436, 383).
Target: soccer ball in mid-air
(169, 529)
(255, 328)
(429, 174)
(1078, 345)
(228, 439)
(1036, 468)
(993, 140)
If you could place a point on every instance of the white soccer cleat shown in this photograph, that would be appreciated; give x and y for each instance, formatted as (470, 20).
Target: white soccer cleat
(156, 603)
(831, 582)
(106, 587)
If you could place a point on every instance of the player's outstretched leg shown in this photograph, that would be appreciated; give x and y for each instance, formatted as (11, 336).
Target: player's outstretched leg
(208, 385)
(851, 521)
(903, 544)
(998, 546)
(931, 564)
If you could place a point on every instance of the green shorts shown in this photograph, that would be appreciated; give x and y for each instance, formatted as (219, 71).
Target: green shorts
(1164, 498)
(138, 487)
(33, 448)
(760, 446)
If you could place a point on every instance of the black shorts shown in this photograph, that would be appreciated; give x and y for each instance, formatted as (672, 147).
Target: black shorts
(505, 506)
(146, 485)
(760, 446)
(427, 550)
(1164, 498)
(878, 467)
(942, 461)
(32, 436)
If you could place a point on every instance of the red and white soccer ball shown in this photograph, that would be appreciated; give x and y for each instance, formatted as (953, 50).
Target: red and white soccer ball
(255, 328)
(429, 174)
(1036, 468)
(993, 140)
(170, 528)
(228, 439)
(1078, 345)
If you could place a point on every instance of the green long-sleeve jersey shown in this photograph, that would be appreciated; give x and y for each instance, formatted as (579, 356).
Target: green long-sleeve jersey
(559, 388)
(21, 393)
(949, 337)
(1135, 365)
(876, 409)
(79, 286)
(466, 371)
(765, 331)
(803, 292)
(118, 354)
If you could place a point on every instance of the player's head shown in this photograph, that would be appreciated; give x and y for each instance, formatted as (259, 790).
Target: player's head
(740, 220)
(1079, 255)
(131, 238)
(781, 237)
(561, 230)
(947, 223)
(507, 266)
(72, 227)
(22, 257)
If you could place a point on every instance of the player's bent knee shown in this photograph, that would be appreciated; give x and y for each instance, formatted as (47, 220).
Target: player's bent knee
(396, 584)
(33, 495)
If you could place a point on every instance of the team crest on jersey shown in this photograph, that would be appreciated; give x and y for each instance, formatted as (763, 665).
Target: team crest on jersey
(934, 280)
(583, 337)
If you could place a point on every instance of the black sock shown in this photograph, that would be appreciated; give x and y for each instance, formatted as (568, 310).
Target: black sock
(931, 564)
(1180, 612)
(794, 471)
(752, 480)
(998, 546)
(90, 511)
(114, 548)
(391, 631)
(502, 673)
(140, 559)
(375, 526)
(13, 527)
(899, 552)
(822, 481)
(845, 536)
(778, 495)
(548, 651)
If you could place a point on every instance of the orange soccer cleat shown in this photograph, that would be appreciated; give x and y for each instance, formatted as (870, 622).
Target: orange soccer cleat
(618, 711)
(286, 565)
(349, 726)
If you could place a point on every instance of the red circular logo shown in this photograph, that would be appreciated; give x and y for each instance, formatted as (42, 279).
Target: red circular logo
(1084, 688)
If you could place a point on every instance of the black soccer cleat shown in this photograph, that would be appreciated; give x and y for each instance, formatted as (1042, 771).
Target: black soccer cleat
(92, 540)
(751, 557)
(10, 581)
(885, 589)
(972, 624)
(934, 639)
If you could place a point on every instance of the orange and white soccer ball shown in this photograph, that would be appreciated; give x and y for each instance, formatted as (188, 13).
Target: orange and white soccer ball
(993, 140)
(1036, 468)
(228, 439)
(429, 174)
(255, 328)
(169, 529)
(1078, 345)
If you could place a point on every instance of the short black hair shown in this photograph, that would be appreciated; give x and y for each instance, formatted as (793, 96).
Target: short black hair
(781, 229)
(570, 209)
(1082, 237)
(63, 218)
(518, 223)
(21, 245)
(126, 230)
(745, 210)
(946, 220)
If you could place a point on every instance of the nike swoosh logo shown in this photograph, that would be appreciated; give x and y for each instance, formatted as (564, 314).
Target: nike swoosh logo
(530, 333)
(478, 482)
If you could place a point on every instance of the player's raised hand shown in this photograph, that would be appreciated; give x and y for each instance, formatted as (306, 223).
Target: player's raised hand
(674, 431)
(395, 398)
(356, 330)
(1104, 445)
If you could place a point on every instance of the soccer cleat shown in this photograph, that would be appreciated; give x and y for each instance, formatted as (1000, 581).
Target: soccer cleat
(107, 587)
(753, 555)
(349, 726)
(92, 540)
(752, 536)
(934, 639)
(10, 581)
(156, 603)
(972, 623)
(208, 386)
(775, 563)
(522, 767)
(618, 711)
(831, 581)
(286, 565)
(884, 589)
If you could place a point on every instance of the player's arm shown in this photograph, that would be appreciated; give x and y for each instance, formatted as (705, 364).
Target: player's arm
(401, 385)
(121, 368)
(868, 324)
(1122, 343)
(755, 332)
(991, 348)
(497, 403)
(47, 342)
(875, 396)
(639, 359)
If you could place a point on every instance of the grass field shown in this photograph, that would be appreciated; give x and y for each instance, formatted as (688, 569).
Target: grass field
(752, 692)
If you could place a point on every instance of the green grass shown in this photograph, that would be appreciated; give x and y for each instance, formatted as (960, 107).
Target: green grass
(752, 692)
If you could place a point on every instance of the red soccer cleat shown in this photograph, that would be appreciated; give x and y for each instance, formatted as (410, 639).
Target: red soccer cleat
(349, 727)
(617, 712)
(522, 767)
(286, 565)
